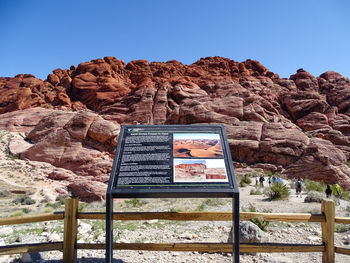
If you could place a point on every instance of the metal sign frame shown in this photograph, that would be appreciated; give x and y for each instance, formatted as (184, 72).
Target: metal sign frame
(172, 190)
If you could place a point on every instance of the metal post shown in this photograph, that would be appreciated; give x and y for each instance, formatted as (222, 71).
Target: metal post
(109, 228)
(235, 232)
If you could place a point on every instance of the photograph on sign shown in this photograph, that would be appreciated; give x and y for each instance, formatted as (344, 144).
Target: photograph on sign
(197, 145)
(200, 170)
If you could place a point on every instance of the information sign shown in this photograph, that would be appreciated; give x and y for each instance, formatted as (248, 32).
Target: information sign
(180, 160)
(172, 161)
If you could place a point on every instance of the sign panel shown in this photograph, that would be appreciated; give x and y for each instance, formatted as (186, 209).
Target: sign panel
(161, 159)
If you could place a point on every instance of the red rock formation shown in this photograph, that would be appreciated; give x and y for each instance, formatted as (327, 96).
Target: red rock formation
(25, 91)
(75, 141)
(82, 142)
(215, 176)
(270, 122)
(192, 168)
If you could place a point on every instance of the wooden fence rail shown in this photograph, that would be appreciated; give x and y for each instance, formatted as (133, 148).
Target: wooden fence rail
(206, 216)
(71, 216)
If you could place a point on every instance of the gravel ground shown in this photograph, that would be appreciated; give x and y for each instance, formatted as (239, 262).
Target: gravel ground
(176, 231)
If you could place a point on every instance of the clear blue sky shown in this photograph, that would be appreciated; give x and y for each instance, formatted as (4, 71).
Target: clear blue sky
(39, 36)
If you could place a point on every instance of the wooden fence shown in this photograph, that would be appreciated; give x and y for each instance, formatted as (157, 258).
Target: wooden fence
(69, 245)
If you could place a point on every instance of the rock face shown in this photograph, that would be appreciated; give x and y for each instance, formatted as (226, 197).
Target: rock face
(300, 125)
(81, 142)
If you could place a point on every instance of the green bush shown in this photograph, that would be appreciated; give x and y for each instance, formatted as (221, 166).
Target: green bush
(262, 224)
(201, 207)
(214, 201)
(53, 205)
(4, 193)
(24, 200)
(60, 201)
(82, 206)
(345, 195)
(341, 228)
(210, 202)
(310, 185)
(277, 192)
(256, 191)
(26, 210)
(245, 180)
(135, 202)
(9, 155)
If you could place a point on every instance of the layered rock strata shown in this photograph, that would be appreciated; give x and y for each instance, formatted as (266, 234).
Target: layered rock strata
(299, 126)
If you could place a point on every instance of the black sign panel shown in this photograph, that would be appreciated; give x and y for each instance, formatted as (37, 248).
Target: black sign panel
(172, 160)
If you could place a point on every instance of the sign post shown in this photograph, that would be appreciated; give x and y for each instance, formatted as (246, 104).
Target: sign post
(172, 161)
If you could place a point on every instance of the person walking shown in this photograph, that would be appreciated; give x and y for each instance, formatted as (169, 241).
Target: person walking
(336, 191)
(328, 191)
(261, 180)
(298, 186)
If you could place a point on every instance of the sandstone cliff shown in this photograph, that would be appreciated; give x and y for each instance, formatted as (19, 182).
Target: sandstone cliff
(299, 126)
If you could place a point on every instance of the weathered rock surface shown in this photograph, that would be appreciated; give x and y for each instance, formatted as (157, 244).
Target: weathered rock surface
(75, 141)
(81, 142)
(22, 120)
(300, 124)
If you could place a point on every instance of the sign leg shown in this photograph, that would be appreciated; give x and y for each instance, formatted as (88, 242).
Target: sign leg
(109, 229)
(235, 232)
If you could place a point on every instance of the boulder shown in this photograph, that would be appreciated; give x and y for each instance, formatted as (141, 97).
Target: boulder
(31, 257)
(249, 233)
(86, 191)
(18, 144)
(314, 197)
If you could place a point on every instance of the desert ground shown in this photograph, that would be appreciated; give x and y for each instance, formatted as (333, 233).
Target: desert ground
(197, 148)
(177, 231)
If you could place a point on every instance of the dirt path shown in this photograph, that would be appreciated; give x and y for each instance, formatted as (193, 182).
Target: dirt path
(293, 204)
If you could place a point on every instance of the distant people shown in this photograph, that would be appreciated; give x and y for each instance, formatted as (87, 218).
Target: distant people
(336, 190)
(278, 180)
(261, 180)
(256, 180)
(273, 179)
(298, 186)
(328, 191)
(270, 180)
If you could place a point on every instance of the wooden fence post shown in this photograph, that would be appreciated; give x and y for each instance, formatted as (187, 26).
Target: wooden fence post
(328, 210)
(70, 230)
